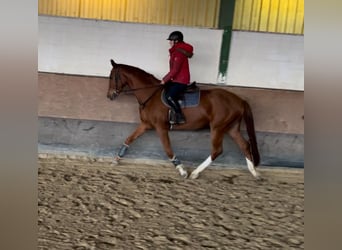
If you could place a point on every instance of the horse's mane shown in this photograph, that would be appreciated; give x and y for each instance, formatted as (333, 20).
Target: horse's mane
(139, 72)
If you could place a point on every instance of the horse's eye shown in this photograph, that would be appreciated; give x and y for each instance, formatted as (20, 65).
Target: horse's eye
(110, 77)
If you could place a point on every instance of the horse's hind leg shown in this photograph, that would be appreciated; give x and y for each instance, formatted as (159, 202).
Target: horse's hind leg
(141, 129)
(216, 142)
(244, 146)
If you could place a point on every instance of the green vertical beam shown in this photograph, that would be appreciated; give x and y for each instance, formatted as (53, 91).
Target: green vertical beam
(226, 17)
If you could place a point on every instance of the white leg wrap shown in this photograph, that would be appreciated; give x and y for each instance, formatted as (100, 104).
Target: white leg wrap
(251, 168)
(200, 168)
(182, 171)
(204, 165)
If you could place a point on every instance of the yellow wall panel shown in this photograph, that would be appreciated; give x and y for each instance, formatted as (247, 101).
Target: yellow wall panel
(43, 7)
(91, 9)
(59, 7)
(264, 15)
(142, 11)
(212, 15)
(255, 15)
(291, 17)
(247, 8)
(70, 8)
(281, 16)
(163, 11)
(47, 7)
(238, 14)
(299, 20)
(273, 17)
(113, 10)
(203, 13)
(132, 9)
(178, 14)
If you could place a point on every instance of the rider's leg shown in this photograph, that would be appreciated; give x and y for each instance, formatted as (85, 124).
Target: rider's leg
(179, 117)
(173, 92)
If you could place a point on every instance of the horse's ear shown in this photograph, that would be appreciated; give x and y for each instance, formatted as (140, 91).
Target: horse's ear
(112, 62)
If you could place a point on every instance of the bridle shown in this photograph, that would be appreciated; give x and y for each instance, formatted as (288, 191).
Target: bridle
(117, 78)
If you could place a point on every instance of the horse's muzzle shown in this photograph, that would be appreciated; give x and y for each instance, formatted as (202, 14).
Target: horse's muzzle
(112, 95)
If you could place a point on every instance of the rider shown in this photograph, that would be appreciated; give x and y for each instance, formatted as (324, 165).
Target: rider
(178, 77)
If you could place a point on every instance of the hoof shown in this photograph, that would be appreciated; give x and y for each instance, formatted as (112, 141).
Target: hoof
(115, 161)
(194, 175)
(257, 176)
(182, 172)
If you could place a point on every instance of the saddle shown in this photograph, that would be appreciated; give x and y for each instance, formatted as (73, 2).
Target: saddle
(190, 98)
(192, 87)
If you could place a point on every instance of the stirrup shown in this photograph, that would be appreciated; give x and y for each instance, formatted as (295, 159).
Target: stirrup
(172, 117)
(176, 118)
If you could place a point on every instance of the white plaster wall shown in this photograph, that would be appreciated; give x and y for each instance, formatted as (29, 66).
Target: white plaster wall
(266, 60)
(85, 47)
(80, 46)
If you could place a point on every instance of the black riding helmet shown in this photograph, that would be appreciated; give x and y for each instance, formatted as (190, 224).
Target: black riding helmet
(176, 35)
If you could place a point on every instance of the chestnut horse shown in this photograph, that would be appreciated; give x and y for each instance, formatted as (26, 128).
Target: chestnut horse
(220, 110)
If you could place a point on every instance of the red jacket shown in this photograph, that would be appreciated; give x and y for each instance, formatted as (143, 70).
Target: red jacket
(179, 63)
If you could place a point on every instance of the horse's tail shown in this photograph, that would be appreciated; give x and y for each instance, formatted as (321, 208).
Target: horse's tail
(248, 116)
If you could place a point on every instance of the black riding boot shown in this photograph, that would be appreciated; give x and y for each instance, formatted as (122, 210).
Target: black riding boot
(178, 117)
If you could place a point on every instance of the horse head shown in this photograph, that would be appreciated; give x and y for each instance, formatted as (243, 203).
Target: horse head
(116, 81)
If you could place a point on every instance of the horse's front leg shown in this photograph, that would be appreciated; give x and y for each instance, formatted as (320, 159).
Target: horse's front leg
(165, 140)
(141, 129)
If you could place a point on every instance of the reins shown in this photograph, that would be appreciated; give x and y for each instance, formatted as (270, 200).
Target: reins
(142, 104)
(132, 90)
